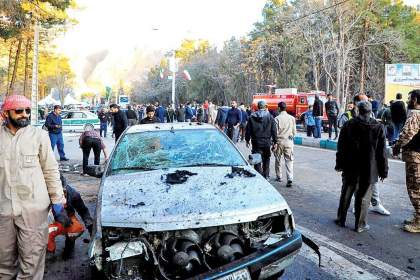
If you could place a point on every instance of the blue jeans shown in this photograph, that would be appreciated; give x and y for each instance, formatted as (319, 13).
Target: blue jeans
(104, 128)
(397, 130)
(57, 139)
(317, 131)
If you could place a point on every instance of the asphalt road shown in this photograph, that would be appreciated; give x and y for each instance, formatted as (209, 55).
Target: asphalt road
(385, 252)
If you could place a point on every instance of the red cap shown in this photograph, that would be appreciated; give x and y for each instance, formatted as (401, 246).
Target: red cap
(13, 102)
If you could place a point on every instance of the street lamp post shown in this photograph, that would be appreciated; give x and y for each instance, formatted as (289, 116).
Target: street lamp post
(34, 90)
(173, 66)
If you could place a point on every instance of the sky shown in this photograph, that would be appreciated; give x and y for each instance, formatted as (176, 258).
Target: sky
(116, 40)
(119, 32)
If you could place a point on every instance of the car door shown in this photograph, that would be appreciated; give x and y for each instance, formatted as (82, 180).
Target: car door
(78, 119)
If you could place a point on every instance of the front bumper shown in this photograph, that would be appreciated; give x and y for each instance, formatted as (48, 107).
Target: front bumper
(263, 263)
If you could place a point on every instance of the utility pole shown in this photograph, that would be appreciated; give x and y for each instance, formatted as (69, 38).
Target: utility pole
(34, 93)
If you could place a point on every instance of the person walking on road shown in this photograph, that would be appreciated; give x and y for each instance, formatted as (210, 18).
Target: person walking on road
(286, 131)
(103, 119)
(212, 113)
(318, 112)
(120, 120)
(409, 141)
(398, 115)
(131, 116)
(233, 121)
(244, 120)
(261, 131)
(91, 140)
(29, 184)
(160, 112)
(332, 110)
(54, 125)
(150, 116)
(362, 158)
(375, 200)
(221, 117)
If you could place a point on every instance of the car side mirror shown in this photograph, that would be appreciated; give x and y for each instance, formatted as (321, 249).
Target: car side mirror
(254, 159)
(94, 171)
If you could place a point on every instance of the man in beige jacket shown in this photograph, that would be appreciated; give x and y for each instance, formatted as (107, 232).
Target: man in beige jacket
(286, 131)
(29, 184)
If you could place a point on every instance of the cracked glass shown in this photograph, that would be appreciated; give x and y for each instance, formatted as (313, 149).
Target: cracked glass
(174, 149)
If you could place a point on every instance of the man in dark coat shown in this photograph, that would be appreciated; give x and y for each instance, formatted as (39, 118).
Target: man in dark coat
(120, 120)
(332, 110)
(398, 115)
(261, 131)
(160, 112)
(131, 116)
(150, 116)
(318, 112)
(362, 157)
(233, 120)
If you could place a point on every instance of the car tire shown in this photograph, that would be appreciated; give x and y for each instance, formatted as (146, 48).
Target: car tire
(95, 274)
(88, 125)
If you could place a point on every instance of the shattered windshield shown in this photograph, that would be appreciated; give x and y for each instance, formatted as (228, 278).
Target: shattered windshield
(173, 149)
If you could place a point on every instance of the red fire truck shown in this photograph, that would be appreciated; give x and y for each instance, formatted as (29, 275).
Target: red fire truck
(297, 102)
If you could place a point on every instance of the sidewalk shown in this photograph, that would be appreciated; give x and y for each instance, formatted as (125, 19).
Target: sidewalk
(324, 143)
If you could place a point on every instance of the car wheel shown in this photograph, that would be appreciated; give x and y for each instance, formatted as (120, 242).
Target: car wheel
(95, 274)
(88, 126)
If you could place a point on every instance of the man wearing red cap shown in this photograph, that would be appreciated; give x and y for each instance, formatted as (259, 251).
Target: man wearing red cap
(29, 184)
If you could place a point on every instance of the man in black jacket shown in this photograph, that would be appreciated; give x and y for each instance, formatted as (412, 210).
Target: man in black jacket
(120, 120)
(131, 116)
(261, 131)
(150, 116)
(233, 120)
(332, 109)
(362, 157)
(318, 112)
(398, 116)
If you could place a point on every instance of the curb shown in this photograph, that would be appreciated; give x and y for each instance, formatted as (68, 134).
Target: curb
(325, 144)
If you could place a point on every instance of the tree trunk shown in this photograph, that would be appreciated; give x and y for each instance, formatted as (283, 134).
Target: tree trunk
(15, 67)
(25, 82)
(366, 27)
(9, 66)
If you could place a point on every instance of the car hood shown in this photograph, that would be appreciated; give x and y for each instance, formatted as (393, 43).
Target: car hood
(144, 200)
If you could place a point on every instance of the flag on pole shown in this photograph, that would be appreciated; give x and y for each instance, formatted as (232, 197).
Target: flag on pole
(187, 75)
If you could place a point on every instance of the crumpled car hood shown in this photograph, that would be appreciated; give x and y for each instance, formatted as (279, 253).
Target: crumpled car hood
(144, 200)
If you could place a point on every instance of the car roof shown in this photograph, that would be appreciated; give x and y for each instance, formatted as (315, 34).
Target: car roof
(169, 126)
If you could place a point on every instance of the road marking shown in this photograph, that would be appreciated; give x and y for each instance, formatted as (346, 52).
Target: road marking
(331, 151)
(388, 269)
(336, 265)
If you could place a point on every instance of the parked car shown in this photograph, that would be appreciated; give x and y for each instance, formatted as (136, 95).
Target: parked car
(77, 120)
(179, 201)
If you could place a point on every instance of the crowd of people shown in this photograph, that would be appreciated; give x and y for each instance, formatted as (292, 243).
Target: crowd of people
(27, 159)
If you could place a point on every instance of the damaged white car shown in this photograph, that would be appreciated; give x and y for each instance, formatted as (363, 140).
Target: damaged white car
(179, 201)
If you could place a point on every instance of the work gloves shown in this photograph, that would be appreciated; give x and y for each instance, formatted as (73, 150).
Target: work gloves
(60, 215)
